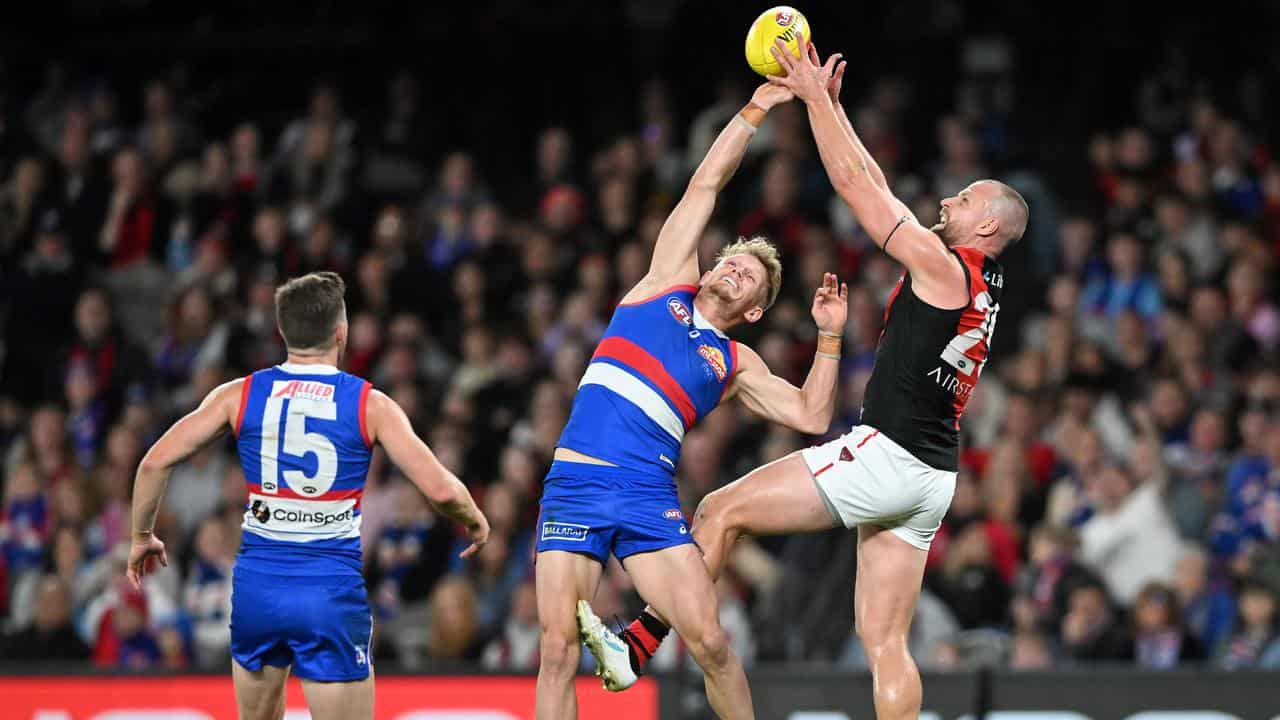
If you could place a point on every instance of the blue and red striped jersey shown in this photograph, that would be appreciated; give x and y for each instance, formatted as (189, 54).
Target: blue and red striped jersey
(305, 450)
(660, 368)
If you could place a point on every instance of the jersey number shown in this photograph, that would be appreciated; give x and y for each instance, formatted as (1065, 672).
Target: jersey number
(954, 353)
(298, 442)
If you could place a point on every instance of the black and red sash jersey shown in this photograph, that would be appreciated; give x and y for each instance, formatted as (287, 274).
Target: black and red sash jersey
(928, 362)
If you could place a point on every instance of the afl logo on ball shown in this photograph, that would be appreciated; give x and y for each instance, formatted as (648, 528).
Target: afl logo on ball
(784, 18)
(679, 311)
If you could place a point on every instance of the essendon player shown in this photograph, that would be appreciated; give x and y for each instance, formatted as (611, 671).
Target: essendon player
(893, 476)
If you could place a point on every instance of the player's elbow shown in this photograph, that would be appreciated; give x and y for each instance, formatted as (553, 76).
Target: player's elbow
(816, 424)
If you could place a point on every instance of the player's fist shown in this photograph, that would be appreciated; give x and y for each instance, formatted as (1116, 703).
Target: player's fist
(143, 554)
(479, 532)
(831, 304)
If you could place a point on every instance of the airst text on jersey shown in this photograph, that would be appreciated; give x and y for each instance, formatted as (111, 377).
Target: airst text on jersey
(993, 279)
(950, 383)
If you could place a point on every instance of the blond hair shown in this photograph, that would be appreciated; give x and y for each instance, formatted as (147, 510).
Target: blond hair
(764, 251)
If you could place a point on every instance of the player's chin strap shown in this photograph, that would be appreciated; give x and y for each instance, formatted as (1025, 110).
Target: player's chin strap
(885, 246)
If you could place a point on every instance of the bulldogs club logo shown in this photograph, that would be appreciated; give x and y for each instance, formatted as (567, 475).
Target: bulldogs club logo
(679, 311)
(260, 511)
(715, 359)
(784, 18)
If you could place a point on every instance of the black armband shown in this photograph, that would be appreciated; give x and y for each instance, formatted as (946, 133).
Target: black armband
(885, 246)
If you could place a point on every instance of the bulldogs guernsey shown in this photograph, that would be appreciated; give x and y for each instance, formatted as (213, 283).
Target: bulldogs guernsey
(305, 452)
(659, 369)
(928, 362)
(298, 597)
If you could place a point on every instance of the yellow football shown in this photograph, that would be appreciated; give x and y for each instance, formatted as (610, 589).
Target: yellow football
(782, 23)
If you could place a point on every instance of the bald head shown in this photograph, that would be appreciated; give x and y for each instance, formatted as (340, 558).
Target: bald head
(1009, 207)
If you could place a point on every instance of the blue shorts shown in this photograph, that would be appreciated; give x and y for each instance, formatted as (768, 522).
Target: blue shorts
(321, 625)
(597, 509)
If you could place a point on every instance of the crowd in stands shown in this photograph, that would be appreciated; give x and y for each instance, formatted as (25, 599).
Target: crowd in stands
(1119, 496)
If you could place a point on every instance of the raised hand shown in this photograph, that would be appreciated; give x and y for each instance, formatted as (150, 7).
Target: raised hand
(837, 76)
(831, 304)
(768, 95)
(805, 77)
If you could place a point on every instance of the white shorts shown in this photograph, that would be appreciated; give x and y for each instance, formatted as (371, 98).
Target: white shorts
(866, 478)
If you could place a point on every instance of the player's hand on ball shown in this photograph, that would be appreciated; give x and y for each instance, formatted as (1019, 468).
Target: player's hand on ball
(837, 75)
(143, 554)
(769, 95)
(479, 532)
(831, 304)
(804, 75)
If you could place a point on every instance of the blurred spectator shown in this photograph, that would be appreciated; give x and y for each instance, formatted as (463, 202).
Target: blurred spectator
(452, 631)
(516, 647)
(51, 635)
(1254, 642)
(25, 521)
(1160, 640)
(1130, 540)
(1126, 286)
(100, 347)
(207, 595)
(968, 583)
(123, 639)
(1208, 607)
(1090, 631)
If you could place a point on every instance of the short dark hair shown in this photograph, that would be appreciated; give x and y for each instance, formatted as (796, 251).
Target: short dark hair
(309, 308)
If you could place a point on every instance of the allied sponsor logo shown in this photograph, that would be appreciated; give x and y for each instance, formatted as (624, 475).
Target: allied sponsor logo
(673, 514)
(715, 359)
(305, 390)
(564, 531)
(679, 311)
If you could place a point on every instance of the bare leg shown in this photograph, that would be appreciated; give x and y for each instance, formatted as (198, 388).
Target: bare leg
(888, 583)
(340, 700)
(561, 579)
(259, 695)
(675, 580)
(774, 499)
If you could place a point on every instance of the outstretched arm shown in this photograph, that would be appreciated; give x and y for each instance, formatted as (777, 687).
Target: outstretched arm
(675, 256)
(833, 91)
(856, 177)
(807, 408)
(390, 427)
(216, 414)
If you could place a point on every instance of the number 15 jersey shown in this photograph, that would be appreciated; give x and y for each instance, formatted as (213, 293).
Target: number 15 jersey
(305, 449)
(928, 362)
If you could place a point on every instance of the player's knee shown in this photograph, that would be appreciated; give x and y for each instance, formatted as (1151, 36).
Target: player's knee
(715, 511)
(709, 646)
(880, 644)
(559, 652)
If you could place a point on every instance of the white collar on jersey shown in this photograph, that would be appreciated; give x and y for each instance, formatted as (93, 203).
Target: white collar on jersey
(308, 369)
(704, 324)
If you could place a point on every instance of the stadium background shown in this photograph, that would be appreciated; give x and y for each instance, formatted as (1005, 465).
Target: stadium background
(489, 178)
